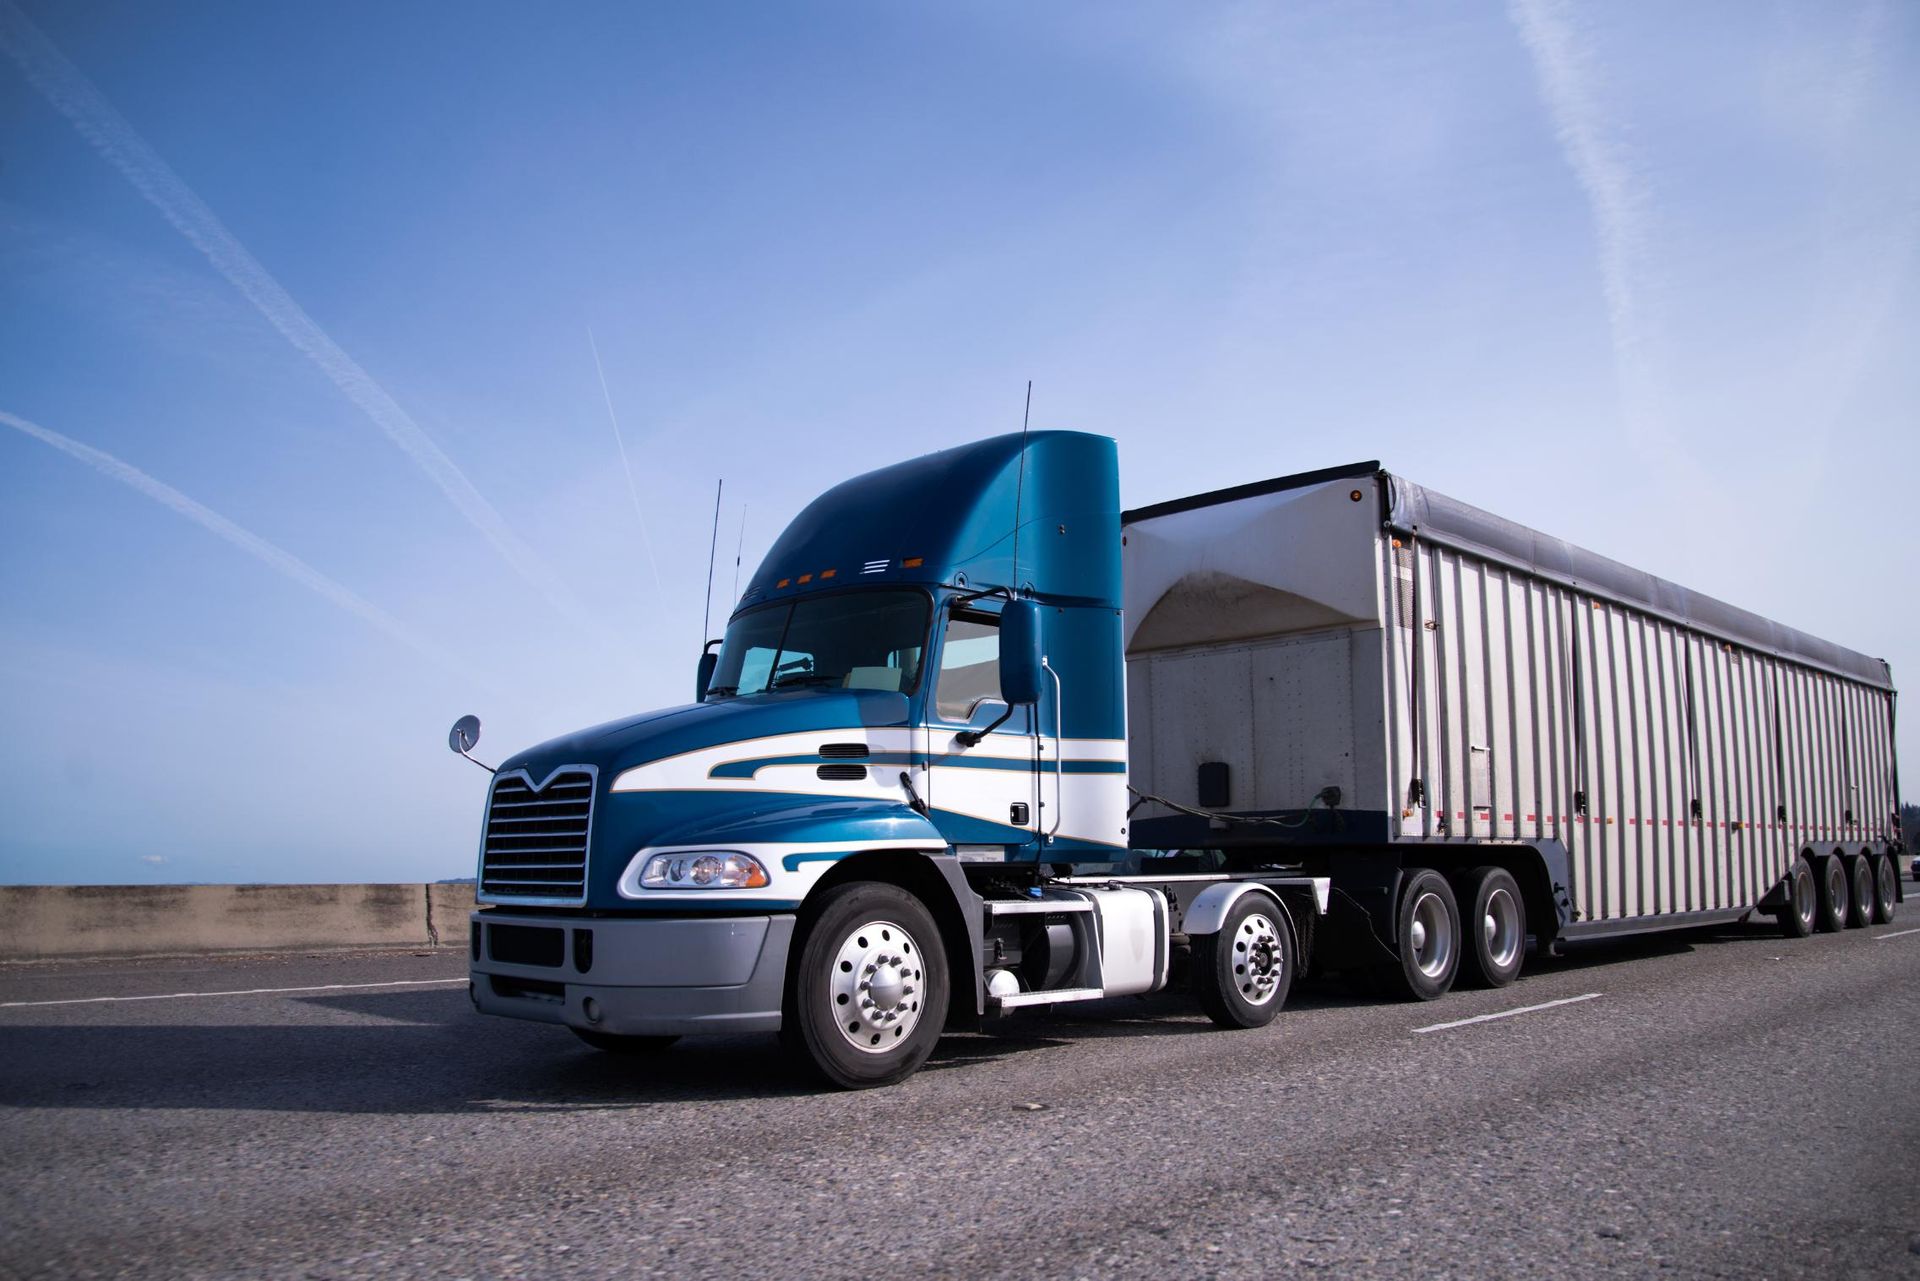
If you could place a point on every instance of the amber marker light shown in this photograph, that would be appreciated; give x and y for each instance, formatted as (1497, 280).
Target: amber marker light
(913, 562)
(806, 578)
(782, 583)
(827, 573)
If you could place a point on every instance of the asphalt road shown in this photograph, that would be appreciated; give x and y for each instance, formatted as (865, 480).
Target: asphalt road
(1729, 1105)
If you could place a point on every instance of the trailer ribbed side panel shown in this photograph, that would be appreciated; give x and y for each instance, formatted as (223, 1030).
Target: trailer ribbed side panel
(1683, 772)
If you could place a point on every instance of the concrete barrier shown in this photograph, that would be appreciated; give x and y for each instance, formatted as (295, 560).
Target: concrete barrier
(47, 922)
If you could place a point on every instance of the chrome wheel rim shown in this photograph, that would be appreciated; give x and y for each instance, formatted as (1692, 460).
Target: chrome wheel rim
(1837, 883)
(1431, 935)
(1259, 959)
(875, 993)
(1804, 902)
(1501, 927)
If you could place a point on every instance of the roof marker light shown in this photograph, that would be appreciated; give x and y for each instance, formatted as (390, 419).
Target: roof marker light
(913, 562)
(806, 578)
(828, 573)
(782, 583)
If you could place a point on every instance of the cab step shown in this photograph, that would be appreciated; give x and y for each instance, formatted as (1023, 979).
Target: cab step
(1055, 997)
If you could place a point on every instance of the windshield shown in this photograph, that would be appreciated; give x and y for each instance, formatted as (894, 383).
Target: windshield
(855, 640)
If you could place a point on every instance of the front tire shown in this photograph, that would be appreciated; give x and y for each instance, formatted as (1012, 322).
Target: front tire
(1494, 929)
(868, 995)
(1242, 973)
(1834, 884)
(1802, 912)
(1427, 937)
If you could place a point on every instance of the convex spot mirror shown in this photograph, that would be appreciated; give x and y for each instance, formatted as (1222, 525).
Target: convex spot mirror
(1020, 653)
(464, 734)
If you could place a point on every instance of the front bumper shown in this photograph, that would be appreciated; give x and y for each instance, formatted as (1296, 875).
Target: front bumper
(632, 976)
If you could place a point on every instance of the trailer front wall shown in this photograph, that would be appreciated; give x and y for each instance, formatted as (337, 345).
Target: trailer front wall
(1683, 773)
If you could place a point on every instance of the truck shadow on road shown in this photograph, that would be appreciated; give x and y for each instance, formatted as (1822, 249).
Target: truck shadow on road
(427, 1052)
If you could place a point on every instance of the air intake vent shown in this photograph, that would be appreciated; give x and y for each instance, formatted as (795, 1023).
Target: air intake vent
(844, 751)
(842, 773)
(536, 842)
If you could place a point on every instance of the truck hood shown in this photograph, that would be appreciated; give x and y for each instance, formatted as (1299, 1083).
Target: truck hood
(651, 736)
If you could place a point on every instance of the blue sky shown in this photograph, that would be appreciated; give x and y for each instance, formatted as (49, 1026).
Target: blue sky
(324, 278)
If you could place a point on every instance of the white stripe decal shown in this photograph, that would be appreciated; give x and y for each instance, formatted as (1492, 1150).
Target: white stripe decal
(1507, 1014)
(247, 991)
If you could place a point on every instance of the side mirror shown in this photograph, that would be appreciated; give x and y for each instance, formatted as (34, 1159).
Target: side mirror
(461, 738)
(464, 734)
(1020, 653)
(709, 660)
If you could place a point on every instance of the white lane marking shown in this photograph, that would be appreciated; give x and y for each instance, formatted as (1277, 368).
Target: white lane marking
(250, 991)
(1507, 1014)
(1896, 934)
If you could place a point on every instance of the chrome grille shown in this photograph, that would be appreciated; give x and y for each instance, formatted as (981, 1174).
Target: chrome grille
(536, 840)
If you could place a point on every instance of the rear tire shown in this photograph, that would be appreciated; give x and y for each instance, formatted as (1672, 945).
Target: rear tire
(1801, 914)
(1833, 883)
(1242, 974)
(1493, 927)
(1860, 892)
(1886, 888)
(613, 1043)
(1427, 937)
(867, 996)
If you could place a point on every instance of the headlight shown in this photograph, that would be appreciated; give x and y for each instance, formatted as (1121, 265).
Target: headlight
(703, 870)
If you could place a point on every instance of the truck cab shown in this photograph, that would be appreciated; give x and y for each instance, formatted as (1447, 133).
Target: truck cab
(898, 802)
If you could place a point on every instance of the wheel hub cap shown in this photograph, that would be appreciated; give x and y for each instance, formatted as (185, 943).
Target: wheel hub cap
(1259, 960)
(876, 984)
(1431, 936)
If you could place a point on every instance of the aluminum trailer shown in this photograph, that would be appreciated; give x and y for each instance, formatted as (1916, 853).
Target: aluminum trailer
(1384, 680)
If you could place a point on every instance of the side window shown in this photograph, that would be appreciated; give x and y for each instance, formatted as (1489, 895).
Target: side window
(969, 665)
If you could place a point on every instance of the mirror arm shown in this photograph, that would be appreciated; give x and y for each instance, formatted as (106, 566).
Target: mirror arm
(483, 765)
(972, 737)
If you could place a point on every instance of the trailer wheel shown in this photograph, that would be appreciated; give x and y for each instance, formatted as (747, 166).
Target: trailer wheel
(613, 1043)
(1860, 893)
(1801, 913)
(868, 995)
(1427, 937)
(1833, 883)
(1886, 895)
(1242, 974)
(1494, 929)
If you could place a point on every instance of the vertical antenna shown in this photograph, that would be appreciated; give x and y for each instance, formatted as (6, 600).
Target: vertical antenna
(706, 613)
(1026, 416)
(737, 549)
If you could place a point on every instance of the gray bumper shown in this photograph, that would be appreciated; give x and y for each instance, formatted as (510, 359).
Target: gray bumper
(636, 976)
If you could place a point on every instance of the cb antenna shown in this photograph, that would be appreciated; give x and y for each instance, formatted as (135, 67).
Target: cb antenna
(706, 613)
(1020, 485)
(737, 549)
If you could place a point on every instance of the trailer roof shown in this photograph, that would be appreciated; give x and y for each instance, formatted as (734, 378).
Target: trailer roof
(1420, 512)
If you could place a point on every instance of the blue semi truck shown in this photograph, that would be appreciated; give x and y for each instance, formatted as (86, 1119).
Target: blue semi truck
(901, 800)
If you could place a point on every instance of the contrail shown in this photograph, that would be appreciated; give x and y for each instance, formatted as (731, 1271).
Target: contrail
(76, 97)
(632, 492)
(1600, 166)
(252, 544)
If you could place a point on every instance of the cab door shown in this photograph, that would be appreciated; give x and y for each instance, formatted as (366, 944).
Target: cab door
(984, 794)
